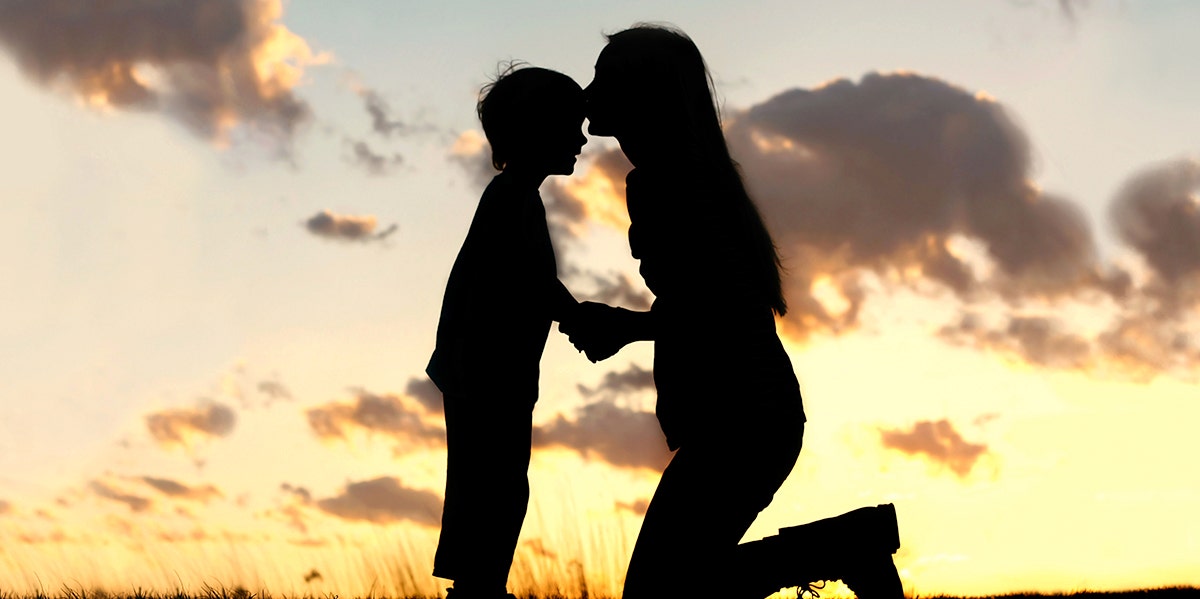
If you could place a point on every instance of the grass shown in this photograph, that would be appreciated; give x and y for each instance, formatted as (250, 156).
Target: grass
(209, 592)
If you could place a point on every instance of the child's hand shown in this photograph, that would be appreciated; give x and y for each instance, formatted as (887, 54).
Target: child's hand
(595, 330)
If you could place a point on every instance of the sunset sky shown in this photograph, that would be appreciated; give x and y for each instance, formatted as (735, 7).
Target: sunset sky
(230, 223)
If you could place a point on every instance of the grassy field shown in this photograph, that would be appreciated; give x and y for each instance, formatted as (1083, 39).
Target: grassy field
(241, 593)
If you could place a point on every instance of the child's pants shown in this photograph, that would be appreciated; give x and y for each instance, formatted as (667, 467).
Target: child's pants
(487, 487)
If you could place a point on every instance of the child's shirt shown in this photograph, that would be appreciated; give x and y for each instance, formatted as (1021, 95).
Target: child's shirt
(501, 297)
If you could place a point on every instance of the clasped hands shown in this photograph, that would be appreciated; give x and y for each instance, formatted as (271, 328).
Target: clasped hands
(597, 330)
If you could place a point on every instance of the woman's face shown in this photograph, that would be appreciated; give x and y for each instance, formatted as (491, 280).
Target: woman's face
(606, 101)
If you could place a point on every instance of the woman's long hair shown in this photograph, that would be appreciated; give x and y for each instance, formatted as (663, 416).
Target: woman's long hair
(676, 100)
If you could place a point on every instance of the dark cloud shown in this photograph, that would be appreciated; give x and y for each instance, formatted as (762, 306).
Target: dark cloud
(384, 500)
(181, 426)
(375, 163)
(345, 227)
(1144, 345)
(426, 393)
(1157, 212)
(631, 380)
(275, 391)
(382, 121)
(883, 173)
(295, 512)
(179, 490)
(135, 503)
(1034, 339)
(211, 64)
(300, 493)
(1151, 330)
(394, 416)
(903, 180)
(603, 430)
(637, 507)
(472, 152)
(614, 289)
(938, 442)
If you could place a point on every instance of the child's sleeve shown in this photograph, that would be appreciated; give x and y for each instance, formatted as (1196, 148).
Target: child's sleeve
(554, 296)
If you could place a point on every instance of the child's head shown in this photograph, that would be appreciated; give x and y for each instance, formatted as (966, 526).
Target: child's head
(533, 118)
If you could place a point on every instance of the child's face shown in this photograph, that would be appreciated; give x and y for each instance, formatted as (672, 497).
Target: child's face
(558, 140)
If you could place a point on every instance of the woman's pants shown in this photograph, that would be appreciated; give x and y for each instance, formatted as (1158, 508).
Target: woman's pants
(708, 497)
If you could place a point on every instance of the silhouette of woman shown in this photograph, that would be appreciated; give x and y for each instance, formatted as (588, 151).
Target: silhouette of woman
(728, 399)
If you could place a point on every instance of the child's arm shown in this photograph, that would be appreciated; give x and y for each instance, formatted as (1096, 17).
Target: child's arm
(601, 330)
(563, 305)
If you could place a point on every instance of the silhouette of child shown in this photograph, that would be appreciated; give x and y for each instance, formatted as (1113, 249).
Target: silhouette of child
(502, 294)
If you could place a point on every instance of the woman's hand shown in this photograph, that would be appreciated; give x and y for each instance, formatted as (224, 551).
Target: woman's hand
(597, 330)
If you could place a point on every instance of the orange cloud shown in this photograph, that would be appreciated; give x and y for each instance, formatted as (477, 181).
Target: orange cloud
(171, 488)
(398, 417)
(135, 503)
(183, 425)
(938, 442)
(620, 436)
(906, 180)
(211, 64)
(384, 500)
(346, 227)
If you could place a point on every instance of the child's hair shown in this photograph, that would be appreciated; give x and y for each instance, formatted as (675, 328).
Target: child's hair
(518, 102)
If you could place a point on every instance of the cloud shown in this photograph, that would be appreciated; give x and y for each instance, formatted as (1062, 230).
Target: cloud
(135, 503)
(179, 490)
(211, 64)
(1034, 339)
(594, 196)
(426, 393)
(1151, 328)
(346, 227)
(903, 180)
(884, 175)
(183, 425)
(614, 289)
(275, 391)
(622, 437)
(294, 513)
(472, 152)
(376, 164)
(5, 507)
(381, 114)
(300, 493)
(631, 380)
(384, 500)
(938, 442)
(637, 507)
(394, 416)
(1157, 212)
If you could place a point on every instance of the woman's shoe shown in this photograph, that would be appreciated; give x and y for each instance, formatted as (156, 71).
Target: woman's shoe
(855, 547)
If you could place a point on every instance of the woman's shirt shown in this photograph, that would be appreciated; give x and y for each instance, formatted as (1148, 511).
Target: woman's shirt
(717, 358)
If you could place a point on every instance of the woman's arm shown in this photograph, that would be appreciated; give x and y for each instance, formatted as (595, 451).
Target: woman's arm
(601, 330)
